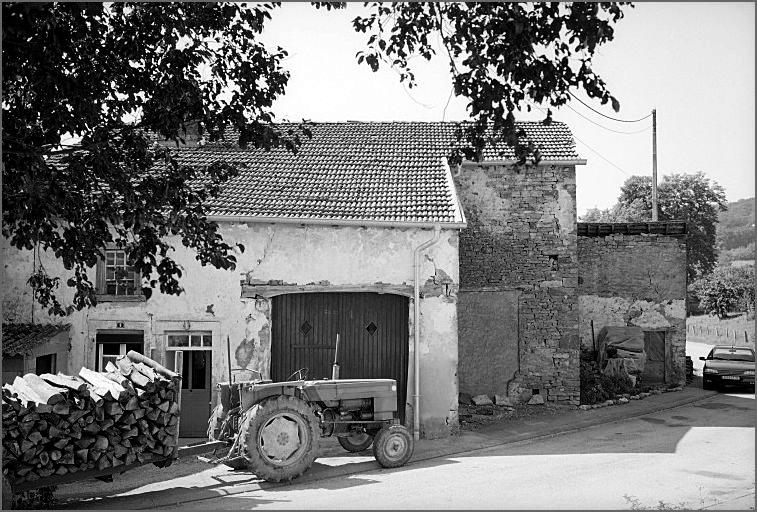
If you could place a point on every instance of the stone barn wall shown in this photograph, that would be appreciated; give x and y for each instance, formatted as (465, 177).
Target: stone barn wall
(517, 307)
(635, 279)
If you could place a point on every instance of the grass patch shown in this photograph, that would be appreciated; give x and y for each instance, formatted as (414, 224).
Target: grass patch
(713, 331)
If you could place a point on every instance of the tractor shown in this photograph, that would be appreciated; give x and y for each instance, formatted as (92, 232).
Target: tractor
(274, 428)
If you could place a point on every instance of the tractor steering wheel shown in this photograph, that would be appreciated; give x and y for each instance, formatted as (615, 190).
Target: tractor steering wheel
(302, 374)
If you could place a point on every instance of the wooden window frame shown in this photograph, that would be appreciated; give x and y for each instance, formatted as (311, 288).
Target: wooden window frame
(202, 333)
(100, 282)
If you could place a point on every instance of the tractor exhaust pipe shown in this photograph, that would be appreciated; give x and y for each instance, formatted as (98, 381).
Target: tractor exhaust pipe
(335, 366)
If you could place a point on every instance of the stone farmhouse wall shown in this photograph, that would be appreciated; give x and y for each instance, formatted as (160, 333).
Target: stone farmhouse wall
(517, 308)
(635, 280)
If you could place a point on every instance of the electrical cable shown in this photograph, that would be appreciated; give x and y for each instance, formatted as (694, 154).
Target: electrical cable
(602, 156)
(604, 115)
(606, 128)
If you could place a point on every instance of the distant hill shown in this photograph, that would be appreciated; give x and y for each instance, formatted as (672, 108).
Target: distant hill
(735, 232)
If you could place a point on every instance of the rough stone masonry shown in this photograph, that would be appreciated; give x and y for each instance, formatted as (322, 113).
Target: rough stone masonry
(636, 279)
(517, 306)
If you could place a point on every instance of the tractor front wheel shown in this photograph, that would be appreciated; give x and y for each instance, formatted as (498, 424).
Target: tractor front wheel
(393, 446)
(356, 441)
(279, 438)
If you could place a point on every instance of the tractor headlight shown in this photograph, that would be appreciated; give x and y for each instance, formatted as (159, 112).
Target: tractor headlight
(710, 370)
(394, 387)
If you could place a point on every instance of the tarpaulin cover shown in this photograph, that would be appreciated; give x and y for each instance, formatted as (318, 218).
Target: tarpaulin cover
(629, 342)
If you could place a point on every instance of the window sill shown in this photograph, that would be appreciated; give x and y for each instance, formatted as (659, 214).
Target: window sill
(120, 298)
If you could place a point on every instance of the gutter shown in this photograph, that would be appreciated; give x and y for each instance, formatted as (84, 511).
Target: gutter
(417, 330)
(337, 222)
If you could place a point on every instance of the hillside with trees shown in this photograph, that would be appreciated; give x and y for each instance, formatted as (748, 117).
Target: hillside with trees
(735, 232)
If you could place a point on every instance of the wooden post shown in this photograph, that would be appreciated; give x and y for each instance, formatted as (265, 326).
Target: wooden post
(593, 345)
(746, 337)
(654, 165)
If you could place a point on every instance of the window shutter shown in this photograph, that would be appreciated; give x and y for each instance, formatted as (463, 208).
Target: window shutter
(100, 276)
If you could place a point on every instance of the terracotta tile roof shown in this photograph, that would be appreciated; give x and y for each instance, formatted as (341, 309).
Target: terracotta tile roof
(392, 172)
(21, 338)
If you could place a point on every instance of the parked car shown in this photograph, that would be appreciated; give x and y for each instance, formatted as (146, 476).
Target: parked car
(726, 365)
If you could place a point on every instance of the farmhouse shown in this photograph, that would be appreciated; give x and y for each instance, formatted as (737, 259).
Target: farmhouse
(468, 274)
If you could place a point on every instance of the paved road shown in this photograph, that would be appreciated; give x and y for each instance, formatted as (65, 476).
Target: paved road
(696, 456)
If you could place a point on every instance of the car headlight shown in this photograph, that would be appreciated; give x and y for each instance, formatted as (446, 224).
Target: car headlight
(710, 370)
(749, 372)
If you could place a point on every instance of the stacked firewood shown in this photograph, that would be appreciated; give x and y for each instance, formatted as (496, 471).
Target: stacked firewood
(58, 424)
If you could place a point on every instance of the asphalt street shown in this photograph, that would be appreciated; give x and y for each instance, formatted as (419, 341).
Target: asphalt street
(696, 456)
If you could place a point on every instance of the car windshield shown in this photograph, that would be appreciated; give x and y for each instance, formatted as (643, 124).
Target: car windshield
(733, 354)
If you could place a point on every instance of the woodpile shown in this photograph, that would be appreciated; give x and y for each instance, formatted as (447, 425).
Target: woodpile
(59, 424)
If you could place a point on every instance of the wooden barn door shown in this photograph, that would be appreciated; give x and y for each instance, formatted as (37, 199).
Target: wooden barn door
(373, 337)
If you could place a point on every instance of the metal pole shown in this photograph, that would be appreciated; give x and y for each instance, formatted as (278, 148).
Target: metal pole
(228, 355)
(654, 165)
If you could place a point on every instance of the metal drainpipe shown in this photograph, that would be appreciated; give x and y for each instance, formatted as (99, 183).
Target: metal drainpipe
(417, 330)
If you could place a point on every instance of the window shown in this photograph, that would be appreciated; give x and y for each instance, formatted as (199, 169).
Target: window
(111, 345)
(189, 340)
(46, 364)
(108, 352)
(116, 278)
(732, 354)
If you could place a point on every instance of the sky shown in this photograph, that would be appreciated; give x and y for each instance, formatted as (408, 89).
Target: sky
(692, 62)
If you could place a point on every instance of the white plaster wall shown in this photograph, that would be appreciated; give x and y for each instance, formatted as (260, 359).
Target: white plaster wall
(291, 253)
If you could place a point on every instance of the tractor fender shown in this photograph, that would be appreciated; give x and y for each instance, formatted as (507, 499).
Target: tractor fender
(255, 393)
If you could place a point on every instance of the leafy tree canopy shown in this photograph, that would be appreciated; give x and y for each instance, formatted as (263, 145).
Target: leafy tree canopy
(726, 289)
(83, 83)
(689, 197)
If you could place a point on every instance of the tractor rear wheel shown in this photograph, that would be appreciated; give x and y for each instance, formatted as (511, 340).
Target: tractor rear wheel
(393, 446)
(279, 438)
(356, 441)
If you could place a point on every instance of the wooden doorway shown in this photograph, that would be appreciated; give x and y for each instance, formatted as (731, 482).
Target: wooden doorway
(655, 348)
(373, 337)
(196, 375)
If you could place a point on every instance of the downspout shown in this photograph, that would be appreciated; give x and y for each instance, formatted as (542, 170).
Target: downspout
(417, 330)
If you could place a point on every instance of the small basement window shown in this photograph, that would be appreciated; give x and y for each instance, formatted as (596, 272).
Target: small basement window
(46, 364)
(553, 263)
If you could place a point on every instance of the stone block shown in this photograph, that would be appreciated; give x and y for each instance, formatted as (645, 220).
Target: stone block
(482, 400)
(536, 400)
(584, 407)
(623, 400)
(504, 401)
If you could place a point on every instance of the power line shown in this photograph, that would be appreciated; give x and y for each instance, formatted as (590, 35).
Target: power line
(604, 115)
(602, 156)
(604, 127)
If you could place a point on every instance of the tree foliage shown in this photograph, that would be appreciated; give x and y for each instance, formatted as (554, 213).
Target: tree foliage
(688, 197)
(88, 86)
(102, 75)
(725, 290)
(501, 56)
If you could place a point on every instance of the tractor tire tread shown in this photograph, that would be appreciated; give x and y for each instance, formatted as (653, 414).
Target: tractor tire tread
(382, 438)
(255, 418)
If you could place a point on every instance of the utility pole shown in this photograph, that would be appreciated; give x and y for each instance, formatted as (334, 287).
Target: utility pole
(654, 165)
